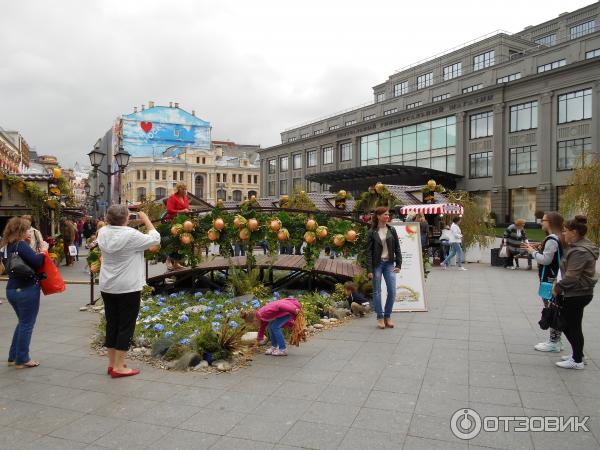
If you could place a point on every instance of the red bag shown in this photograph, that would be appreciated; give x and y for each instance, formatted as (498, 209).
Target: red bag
(54, 282)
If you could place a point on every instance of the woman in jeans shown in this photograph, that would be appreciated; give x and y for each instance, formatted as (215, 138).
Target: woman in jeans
(22, 294)
(384, 258)
(578, 270)
(121, 282)
(455, 247)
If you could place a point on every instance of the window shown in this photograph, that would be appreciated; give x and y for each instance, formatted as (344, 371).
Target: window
(482, 125)
(271, 188)
(575, 106)
(297, 184)
(249, 179)
(222, 194)
(400, 88)
(237, 196)
(304, 135)
(507, 78)
(283, 164)
(430, 144)
(414, 105)
(174, 175)
(218, 178)
(327, 155)
(570, 152)
(297, 161)
(592, 54)
(424, 80)
(379, 97)
(272, 166)
(176, 132)
(350, 122)
(311, 158)
(157, 174)
(138, 175)
(452, 71)
(438, 98)
(369, 117)
(255, 179)
(160, 192)
(164, 174)
(233, 176)
(582, 29)
(333, 127)
(224, 178)
(387, 112)
(524, 116)
(181, 176)
(283, 187)
(484, 60)
(312, 186)
(548, 40)
(292, 139)
(475, 87)
(551, 66)
(144, 174)
(141, 194)
(346, 152)
(522, 160)
(318, 132)
(203, 160)
(197, 160)
(480, 165)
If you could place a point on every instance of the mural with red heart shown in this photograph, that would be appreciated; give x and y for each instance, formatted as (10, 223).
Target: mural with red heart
(146, 126)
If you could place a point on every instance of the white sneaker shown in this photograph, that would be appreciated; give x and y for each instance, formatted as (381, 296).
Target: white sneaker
(443, 266)
(553, 347)
(270, 351)
(463, 268)
(280, 352)
(512, 268)
(570, 364)
(566, 358)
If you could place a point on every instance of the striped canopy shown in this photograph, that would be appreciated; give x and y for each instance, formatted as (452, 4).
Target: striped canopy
(441, 208)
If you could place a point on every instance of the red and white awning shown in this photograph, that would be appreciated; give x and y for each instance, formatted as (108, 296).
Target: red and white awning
(441, 208)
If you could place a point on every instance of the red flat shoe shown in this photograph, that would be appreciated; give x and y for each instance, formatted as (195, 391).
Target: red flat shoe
(133, 372)
(109, 370)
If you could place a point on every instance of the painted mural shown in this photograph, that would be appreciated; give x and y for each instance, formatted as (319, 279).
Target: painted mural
(155, 130)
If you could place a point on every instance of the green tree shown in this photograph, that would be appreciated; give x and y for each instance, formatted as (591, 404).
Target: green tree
(475, 224)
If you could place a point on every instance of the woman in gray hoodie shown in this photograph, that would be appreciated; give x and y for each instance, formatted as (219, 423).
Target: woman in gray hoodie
(578, 270)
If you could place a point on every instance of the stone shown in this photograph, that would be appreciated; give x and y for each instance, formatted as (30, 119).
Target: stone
(137, 350)
(311, 329)
(83, 308)
(202, 365)
(97, 307)
(339, 313)
(249, 337)
(99, 301)
(141, 341)
(161, 347)
(325, 320)
(196, 309)
(333, 319)
(318, 326)
(222, 365)
(189, 359)
(342, 304)
(243, 298)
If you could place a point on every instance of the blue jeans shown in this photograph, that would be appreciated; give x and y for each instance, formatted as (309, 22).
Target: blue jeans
(275, 333)
(455, 249)
(26, 303)
(385, 268)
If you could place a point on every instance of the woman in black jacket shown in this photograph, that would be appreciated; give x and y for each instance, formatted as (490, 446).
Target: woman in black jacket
(23, 293)
(384, 258)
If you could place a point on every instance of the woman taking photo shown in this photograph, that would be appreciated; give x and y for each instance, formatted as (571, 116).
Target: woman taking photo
(578, 270)
(121, 281)
(23, 294)
(384, 258)
(547, 256)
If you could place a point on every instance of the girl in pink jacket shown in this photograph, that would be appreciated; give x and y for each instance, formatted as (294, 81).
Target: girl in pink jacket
(274, 315)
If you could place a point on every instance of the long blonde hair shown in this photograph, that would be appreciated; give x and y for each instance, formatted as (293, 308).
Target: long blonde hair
(14, 231)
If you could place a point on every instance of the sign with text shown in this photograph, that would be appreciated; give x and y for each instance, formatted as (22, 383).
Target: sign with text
(410, 281)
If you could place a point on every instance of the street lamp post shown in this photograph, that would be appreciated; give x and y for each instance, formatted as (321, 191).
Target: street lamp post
(122, 159)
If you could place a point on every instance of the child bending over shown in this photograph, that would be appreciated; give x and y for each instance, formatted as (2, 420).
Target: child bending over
(359, 305)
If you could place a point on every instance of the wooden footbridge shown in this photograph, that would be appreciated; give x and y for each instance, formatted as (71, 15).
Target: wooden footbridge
(326, 269)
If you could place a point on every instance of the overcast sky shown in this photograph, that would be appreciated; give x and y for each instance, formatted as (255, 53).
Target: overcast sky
(252, 69)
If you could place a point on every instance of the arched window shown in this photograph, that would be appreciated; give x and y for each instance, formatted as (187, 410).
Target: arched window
(221, 194)
(251, 193)
(199, 186)
(160, 192)
(237, 196)
(141, 194)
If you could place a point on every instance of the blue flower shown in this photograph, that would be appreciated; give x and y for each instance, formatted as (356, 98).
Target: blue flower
(164, 310)
(198, 294)
(147, 326)
(218, 316)
(169, 334)
(176, 324)
(276, 294)
(218, 307)
(185, 341)
(202, 318)
(244, 304)
(211, 302)
(184, 318)
(255, 304)
(174, 295)
(217, 292)
(233, 324)
(209, 309)
(159, 327)
(145, 308)
(216, 326)
(228, 302)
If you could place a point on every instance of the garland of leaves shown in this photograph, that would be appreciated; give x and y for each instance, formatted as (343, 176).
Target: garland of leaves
(375, 196)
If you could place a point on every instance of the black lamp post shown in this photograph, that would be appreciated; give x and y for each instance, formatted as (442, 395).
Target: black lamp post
(122, 159)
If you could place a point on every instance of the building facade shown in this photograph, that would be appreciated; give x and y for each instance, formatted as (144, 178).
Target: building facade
(14, 152)
(506, 117)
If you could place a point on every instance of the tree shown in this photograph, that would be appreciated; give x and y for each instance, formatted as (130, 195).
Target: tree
(475, 224)
(582, 196)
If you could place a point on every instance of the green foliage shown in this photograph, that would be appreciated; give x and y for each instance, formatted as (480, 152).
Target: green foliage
(339, 294)
(175, 352)
(261, 291)
(207, 341)
(474, 227)
(152, 209)
(229, 338)
(376, 196)
(300, 200)
(314, 306)
(242, 282)
(363, 284)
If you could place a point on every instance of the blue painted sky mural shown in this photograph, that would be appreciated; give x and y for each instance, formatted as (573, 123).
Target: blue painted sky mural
(154, 130)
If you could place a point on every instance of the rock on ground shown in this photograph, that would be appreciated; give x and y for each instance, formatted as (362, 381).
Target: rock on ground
(161, 347)
(249, 337)
(196, 309)
(188, 359)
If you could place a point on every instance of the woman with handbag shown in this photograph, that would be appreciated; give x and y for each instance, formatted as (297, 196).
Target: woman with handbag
(22, 289)
(547, 256)
(576, 287)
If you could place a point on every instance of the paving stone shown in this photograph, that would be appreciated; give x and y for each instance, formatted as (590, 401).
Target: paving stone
(132, 435)
(380, 420)
(87, 429)
(331, 413)
(372, 440)
(257, 428)
(315, 435)
(185, 440)
(212, 421)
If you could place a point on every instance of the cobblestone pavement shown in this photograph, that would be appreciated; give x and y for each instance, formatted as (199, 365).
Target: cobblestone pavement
(354, 387)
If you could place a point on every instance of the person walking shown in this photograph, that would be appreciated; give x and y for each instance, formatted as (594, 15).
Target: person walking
(121, 281)
(514, 237)
(455, 241)
(384, 258)
(548, 255)
(37, 242)
(23, 293)
(68, 231)
(576, 287)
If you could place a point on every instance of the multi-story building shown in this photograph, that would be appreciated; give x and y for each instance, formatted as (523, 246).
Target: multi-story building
(14, 152)
(506, 116)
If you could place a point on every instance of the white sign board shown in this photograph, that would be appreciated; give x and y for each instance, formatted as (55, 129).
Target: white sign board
(410, 281)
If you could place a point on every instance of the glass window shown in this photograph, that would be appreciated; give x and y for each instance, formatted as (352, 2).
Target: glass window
(272, 166)
(424, 80)
(304, 135)
(523, 116)
(327, 155)
(297, 161)
(164, 174)
(318, 132)
(387, 112)
(157, 174)
(292, 139)
(224, 178)
(350, 122)
(438, 98)
(237, 196)
(346, 152)
(380, 96)
(400, 88)
(475, 87)
(582, 29)
(548, 40)
(575, 106)
(482, 125)
(571, 152)
(283, 164)
(523, 204)
(452, 71)
(311, 158)
(551, 66)
(333, 127)
(271, 188)
(592, 54)
(480, 165)
(507, 78)
(414, 105)
(523, 160)
(369, 117)
(484, 60)
(283, 187)
(297, 184)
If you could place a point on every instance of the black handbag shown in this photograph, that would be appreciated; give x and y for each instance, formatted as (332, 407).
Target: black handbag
(16, 268)
(552, 315)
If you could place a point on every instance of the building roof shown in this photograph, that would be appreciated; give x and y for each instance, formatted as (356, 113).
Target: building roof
(34, 176)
